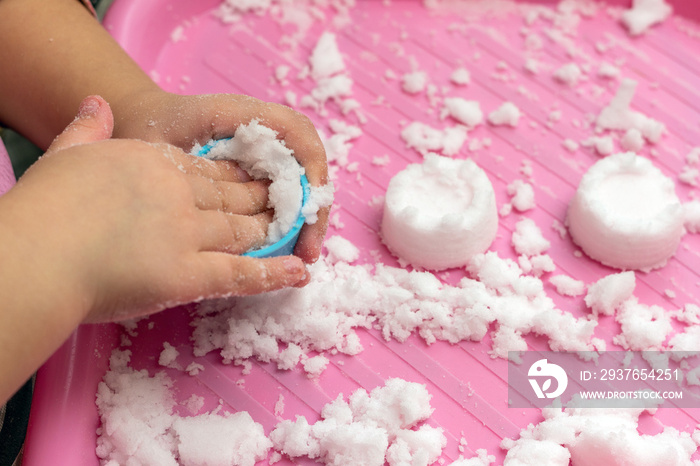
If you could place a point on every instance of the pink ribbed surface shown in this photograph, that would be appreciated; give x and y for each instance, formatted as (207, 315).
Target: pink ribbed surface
(7, 176)
(469, 388)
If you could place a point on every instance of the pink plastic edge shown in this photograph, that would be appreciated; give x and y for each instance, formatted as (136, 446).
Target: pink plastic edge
(7, 176)
(63, 389)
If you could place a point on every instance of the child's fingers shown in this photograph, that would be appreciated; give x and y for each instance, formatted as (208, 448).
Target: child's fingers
(235, 198)
(299, 133)
(222, 275)
(234, 234)
(93, 123)
(310, 241)
(217, 170)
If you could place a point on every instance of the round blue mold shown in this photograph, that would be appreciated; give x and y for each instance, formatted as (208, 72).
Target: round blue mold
(284, 246)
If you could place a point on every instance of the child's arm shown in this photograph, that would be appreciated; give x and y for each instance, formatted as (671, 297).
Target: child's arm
(101, 230)
(55, 53)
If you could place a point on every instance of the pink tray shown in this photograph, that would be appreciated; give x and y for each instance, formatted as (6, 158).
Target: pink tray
(469, 388)
(7, 176)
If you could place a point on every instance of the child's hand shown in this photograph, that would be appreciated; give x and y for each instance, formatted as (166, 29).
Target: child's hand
(183, 120)
(135, 227)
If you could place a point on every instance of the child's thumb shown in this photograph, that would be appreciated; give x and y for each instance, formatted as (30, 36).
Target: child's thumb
(93, 123)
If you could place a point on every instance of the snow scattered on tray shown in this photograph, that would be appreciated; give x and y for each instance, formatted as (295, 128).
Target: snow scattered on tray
(522, 195)
(507, 114)
(323, 315)
(618, 115)
(322, 318)
(597, 436)
(139, 424)
(426, 139)
(644, 14)
(607, 294)
(386, 424)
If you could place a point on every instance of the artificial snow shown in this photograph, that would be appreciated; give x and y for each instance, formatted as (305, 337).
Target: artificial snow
(567, 286)
(139, 425)
(597, 436)
(522, 195)
(426, 139)
(607, 294)
(258, 151)
(644, 14)
(440, 213)
(618, 115)
(414, 82)
(368, 429)
(467, 112)
(506, 114)
(569, 74)
(626, 214)
(527, 238)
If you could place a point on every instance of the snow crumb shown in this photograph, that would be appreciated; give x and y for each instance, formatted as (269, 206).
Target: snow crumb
(178, 34)
(369, 428)
(426, 139)
(619, 116)
(527, 238)
(690, 314)
(506, 114)
(290, 98)
(632, 140)
(644, 328)
(194, 403)
(381, 161)
(570, 145)
(279, 406)
(523, 195)
(691, 216)
(340, 249)
(559, 228)
(541, 264)
(319, 198)
(460, 77)
(281, 72)
(325, 59)
(464, 111)
(693, 157)
(644, 14)
(482, 459)
(143, 429)
(607, 294)
(568, 286)
(168, 357)
(596, 436)
(689, 175)
(194, 368)
(608, 71)
(603, 145)
(531, 65)
(414, 82)
(568, 74)
(314, 366)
